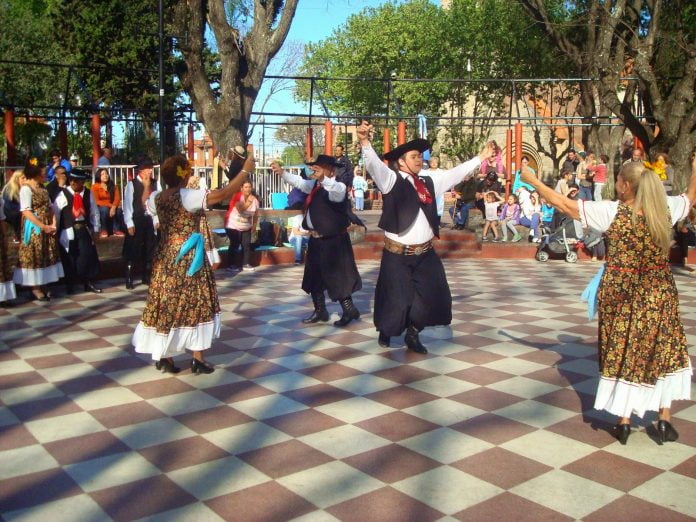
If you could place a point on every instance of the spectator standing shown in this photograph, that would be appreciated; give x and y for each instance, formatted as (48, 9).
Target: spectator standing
(509, 217)
(10, 197)
(56, 161)
(517, 183)
(571, 163)
(38, 262)
(562, 185)
(105, 159)
(636, 156)
(239, 222)
(344, 167)
(492, 202)
(585, 177)
(78, 222)
(108, 199)
(359, 188)
(139, 245)
(74, 160)
(599, 175)
(433, 171)
(643, 353)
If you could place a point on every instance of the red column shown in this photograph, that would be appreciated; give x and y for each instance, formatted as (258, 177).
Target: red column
(637, 144)
(95, 129)
(10, 138)
(328, 138)
(190, 144)
(401, 133)
(63, 139)
(387, 142)
(508, 161)
(518, 145)
(309, 144)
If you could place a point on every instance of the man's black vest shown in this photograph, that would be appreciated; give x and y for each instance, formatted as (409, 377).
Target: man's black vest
(138, 208)
(401, 204)
(329, 218)
(67, 219)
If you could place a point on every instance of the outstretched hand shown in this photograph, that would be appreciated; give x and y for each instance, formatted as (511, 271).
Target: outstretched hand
(527, 176)
(487, 152)
(276, 168)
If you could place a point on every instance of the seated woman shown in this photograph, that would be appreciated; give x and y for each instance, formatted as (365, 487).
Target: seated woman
(239, 222)
(108, 200)
(299, 237)
(531, 215)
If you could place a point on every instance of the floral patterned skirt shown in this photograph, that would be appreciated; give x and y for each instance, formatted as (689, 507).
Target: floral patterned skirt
(38, 261)
(182, 312)
(643, 357)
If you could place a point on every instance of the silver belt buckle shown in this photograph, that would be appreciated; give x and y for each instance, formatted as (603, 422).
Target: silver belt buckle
(418, 250)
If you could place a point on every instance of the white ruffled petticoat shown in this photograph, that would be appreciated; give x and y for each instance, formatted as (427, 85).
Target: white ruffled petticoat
(38, 276)
(623, 398)
(7, 291)
(146, 339)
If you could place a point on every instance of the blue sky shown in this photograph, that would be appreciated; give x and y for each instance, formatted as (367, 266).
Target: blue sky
(314, 20)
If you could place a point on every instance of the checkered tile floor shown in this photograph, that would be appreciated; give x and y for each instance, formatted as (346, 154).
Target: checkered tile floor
(317, 423)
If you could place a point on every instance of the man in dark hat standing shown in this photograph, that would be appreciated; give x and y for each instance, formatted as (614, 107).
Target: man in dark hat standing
(330, 264)
(139, 245)
(78, 222)
(412, 290)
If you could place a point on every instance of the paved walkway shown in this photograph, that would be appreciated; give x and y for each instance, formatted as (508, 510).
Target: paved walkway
(316, 423)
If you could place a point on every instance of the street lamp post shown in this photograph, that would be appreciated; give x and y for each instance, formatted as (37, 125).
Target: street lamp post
(161, 81)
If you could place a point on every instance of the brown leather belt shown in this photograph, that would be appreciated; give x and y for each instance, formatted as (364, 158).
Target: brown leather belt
(406, 250)
(317, 235)
(79, 224)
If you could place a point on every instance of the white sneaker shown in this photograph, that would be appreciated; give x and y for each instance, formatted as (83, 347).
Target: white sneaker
(248, 268)
(536, 240)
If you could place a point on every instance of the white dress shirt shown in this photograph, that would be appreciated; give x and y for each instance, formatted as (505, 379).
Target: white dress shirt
(420, 231)
(68, 234)
(336, 189)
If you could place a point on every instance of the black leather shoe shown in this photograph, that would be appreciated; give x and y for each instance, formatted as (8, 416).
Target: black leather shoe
(621, 432)
(167, 366)
(383, 340)
(129, 278)
(666, 432)
(320, 312)
(350, 313)
(412, 341)
(90, 287)
(201, 367)
(69, 289)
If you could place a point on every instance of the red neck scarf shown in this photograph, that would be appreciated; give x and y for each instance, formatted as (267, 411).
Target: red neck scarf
(78, 208)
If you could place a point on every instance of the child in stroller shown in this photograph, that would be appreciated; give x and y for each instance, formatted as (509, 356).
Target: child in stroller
(562, 240)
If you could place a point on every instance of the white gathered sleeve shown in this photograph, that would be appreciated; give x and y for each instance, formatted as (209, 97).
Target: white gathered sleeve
(193, 200)
(383, 176)
(336, 189)
(298, 182)
(25, 198)
(597, 214)
(679, 207)
(461, 172)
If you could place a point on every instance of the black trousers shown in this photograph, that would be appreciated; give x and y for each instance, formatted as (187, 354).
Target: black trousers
(239, 237)
(330, 266)
(80, 262)
(411, 290)
(140, 247)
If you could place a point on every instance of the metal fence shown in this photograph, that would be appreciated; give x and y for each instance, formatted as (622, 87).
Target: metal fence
(263, 180)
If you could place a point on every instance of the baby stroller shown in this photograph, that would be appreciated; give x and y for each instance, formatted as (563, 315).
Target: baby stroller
(560, 242)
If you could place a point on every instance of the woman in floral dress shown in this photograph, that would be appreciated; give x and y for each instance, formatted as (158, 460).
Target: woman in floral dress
(7, 287)
(182, 310)
(643, 359)
(39, 260)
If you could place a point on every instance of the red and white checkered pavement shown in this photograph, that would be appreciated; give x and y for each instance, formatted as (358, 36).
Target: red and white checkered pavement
(320, 423)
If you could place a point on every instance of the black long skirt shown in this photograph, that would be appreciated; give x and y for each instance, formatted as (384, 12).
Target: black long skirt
(411, 290)
(330, 265)
(80, 262)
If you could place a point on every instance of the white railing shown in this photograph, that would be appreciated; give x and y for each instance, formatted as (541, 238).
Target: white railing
(263, 180)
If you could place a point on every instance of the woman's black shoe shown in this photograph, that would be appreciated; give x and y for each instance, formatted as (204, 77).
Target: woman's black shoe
(383, 340)
(413, 342)
(167, 366)
(666, 432)
(201, 367)
(621, 432)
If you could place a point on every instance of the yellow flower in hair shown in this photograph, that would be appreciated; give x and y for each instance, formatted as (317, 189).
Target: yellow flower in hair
(182, 172)
(659, 167)
(34, 162)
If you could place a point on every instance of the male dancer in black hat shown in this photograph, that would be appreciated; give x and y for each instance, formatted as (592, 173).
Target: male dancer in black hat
(77, 223)
(139, 245)
(330, 263)
(412, 290)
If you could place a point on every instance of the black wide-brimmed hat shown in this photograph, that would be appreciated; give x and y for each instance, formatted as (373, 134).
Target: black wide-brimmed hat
(418, 144)
(144, 163)
(323, 159)
(79, 175)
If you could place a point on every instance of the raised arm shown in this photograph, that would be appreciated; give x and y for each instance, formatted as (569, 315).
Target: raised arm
(566, 205)
(383, 176)
(226, 192)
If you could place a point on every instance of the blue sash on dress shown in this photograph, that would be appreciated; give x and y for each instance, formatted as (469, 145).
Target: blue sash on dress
(29, 230)
(196, 242)
(590, 293)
